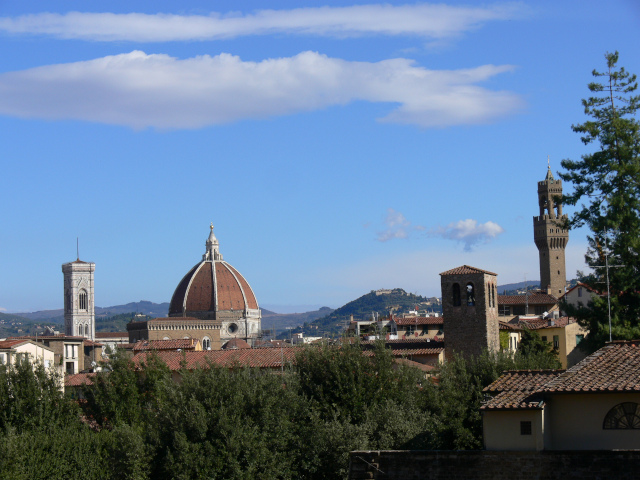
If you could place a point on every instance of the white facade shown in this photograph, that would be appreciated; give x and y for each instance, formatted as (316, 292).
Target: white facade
(79, 305)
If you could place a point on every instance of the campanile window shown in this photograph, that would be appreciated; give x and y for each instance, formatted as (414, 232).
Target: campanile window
(82, 300)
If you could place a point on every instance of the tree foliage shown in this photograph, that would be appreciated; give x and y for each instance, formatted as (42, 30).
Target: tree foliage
(607, 185)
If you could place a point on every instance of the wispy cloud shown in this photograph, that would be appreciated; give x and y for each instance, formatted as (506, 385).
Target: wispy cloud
(3, 309)
(140, 90)
(469, 232)
(396, 226)
(435, 21)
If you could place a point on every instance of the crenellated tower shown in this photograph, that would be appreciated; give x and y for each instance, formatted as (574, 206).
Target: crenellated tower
(550, 235)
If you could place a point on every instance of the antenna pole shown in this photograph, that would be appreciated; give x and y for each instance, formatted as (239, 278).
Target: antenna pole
(77, 248)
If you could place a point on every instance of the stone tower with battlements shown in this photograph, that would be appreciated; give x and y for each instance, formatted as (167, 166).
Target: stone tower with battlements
(79, 317)
(470, 311)
(550, 236)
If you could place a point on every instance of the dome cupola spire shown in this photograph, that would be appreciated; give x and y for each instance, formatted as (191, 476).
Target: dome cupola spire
(213, 247)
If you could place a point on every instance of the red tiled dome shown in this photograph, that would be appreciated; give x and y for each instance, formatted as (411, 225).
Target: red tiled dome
(212, 286)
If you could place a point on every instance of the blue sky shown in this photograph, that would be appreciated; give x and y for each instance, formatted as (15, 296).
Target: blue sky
(336, 148)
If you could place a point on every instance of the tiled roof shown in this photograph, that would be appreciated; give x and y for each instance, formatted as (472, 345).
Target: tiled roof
(419, 321)
(112, 335)
(407, 352)
(411, 363)
(182, 343)
(613, 368)
(255, 357)
(537, 298)
(411, 341)
(539, 323)
(91, 343)
(51, 337)
(12, 343)
(79, 379)
(508, 326)
(236, 343)
(519, 389)
(466, 270)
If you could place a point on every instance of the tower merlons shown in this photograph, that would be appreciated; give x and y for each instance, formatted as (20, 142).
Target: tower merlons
(550, 236)
(79, 316)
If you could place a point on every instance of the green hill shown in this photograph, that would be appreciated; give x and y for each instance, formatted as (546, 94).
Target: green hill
(382, 302)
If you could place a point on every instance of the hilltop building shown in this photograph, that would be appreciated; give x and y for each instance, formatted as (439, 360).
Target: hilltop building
(79, 316)
(212, 303)
(550, 236)
(470, 311)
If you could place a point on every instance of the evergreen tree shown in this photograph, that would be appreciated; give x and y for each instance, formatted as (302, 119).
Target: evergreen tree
(608, 182)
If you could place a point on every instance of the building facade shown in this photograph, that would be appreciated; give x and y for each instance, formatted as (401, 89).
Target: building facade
(79, 305)
(550, 236)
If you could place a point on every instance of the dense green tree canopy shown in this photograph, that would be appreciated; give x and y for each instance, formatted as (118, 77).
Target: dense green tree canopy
(607, 185)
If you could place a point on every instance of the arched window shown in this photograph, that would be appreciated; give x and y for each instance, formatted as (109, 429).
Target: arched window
(471, 295)
(206, 343)
(456, 295)
(622, 417)
(82, 300)
(80, 330)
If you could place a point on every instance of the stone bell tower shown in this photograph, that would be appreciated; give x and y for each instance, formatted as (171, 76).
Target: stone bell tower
(470, 311)
(79, 317)
(550, 236)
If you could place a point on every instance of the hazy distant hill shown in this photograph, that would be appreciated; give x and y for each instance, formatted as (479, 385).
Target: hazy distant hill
(510, 288)
(381, 302)
(280, 321)
(147, 308)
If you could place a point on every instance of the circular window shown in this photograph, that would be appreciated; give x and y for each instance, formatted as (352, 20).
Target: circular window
(233, 328)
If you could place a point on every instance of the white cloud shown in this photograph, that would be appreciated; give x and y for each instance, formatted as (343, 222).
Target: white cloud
(396, 226)
(436, 21)
(469, 232)
(419, 271)
(140, 90)
(3, 309)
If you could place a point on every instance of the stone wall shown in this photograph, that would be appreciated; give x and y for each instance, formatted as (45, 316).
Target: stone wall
(450, 465)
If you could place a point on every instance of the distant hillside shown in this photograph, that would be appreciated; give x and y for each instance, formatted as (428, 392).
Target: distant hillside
(145, 307)
(280, 321)
(12, 325)
(381, 302)
(512, 288)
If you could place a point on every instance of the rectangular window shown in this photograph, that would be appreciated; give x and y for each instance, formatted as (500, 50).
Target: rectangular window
(556, 341)
(70, 369)
(579, 291)
(544, 339)
(539, 309)
(579, 338)
(2, 359)
(525, 428)
(504, 310)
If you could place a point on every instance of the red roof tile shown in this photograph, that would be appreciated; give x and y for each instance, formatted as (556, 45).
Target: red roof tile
(257, 358)
(182, 343)
(519, 389)
(236, 343)
(537, 298)
(466, 270)
(79, 379)
(613, 368)
(11, 343)
(539, 323)
(112, 334)
(419, 321)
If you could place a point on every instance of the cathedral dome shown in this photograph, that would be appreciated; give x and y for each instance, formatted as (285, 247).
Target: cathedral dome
(213, 289)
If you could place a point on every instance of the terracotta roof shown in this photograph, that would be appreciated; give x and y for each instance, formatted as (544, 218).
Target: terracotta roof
(537, 298)
(236, 343)
(211, 286)
(411, 363)
(51, 337)
(540, 323)
(407, 352)
(583, 285)
(519, 390)
(79, 379)
(613, 368)
(419, 321)
(112, 334)
(91, 343)
(411, 341)
(466, 270)
(254, 357)
(4, 344)
(182, 343)
(508, 326)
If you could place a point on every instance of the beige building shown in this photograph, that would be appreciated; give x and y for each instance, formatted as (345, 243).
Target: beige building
(580, 295)
(16, 350)
(535, 302)
(417, 327)
(594, 405)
